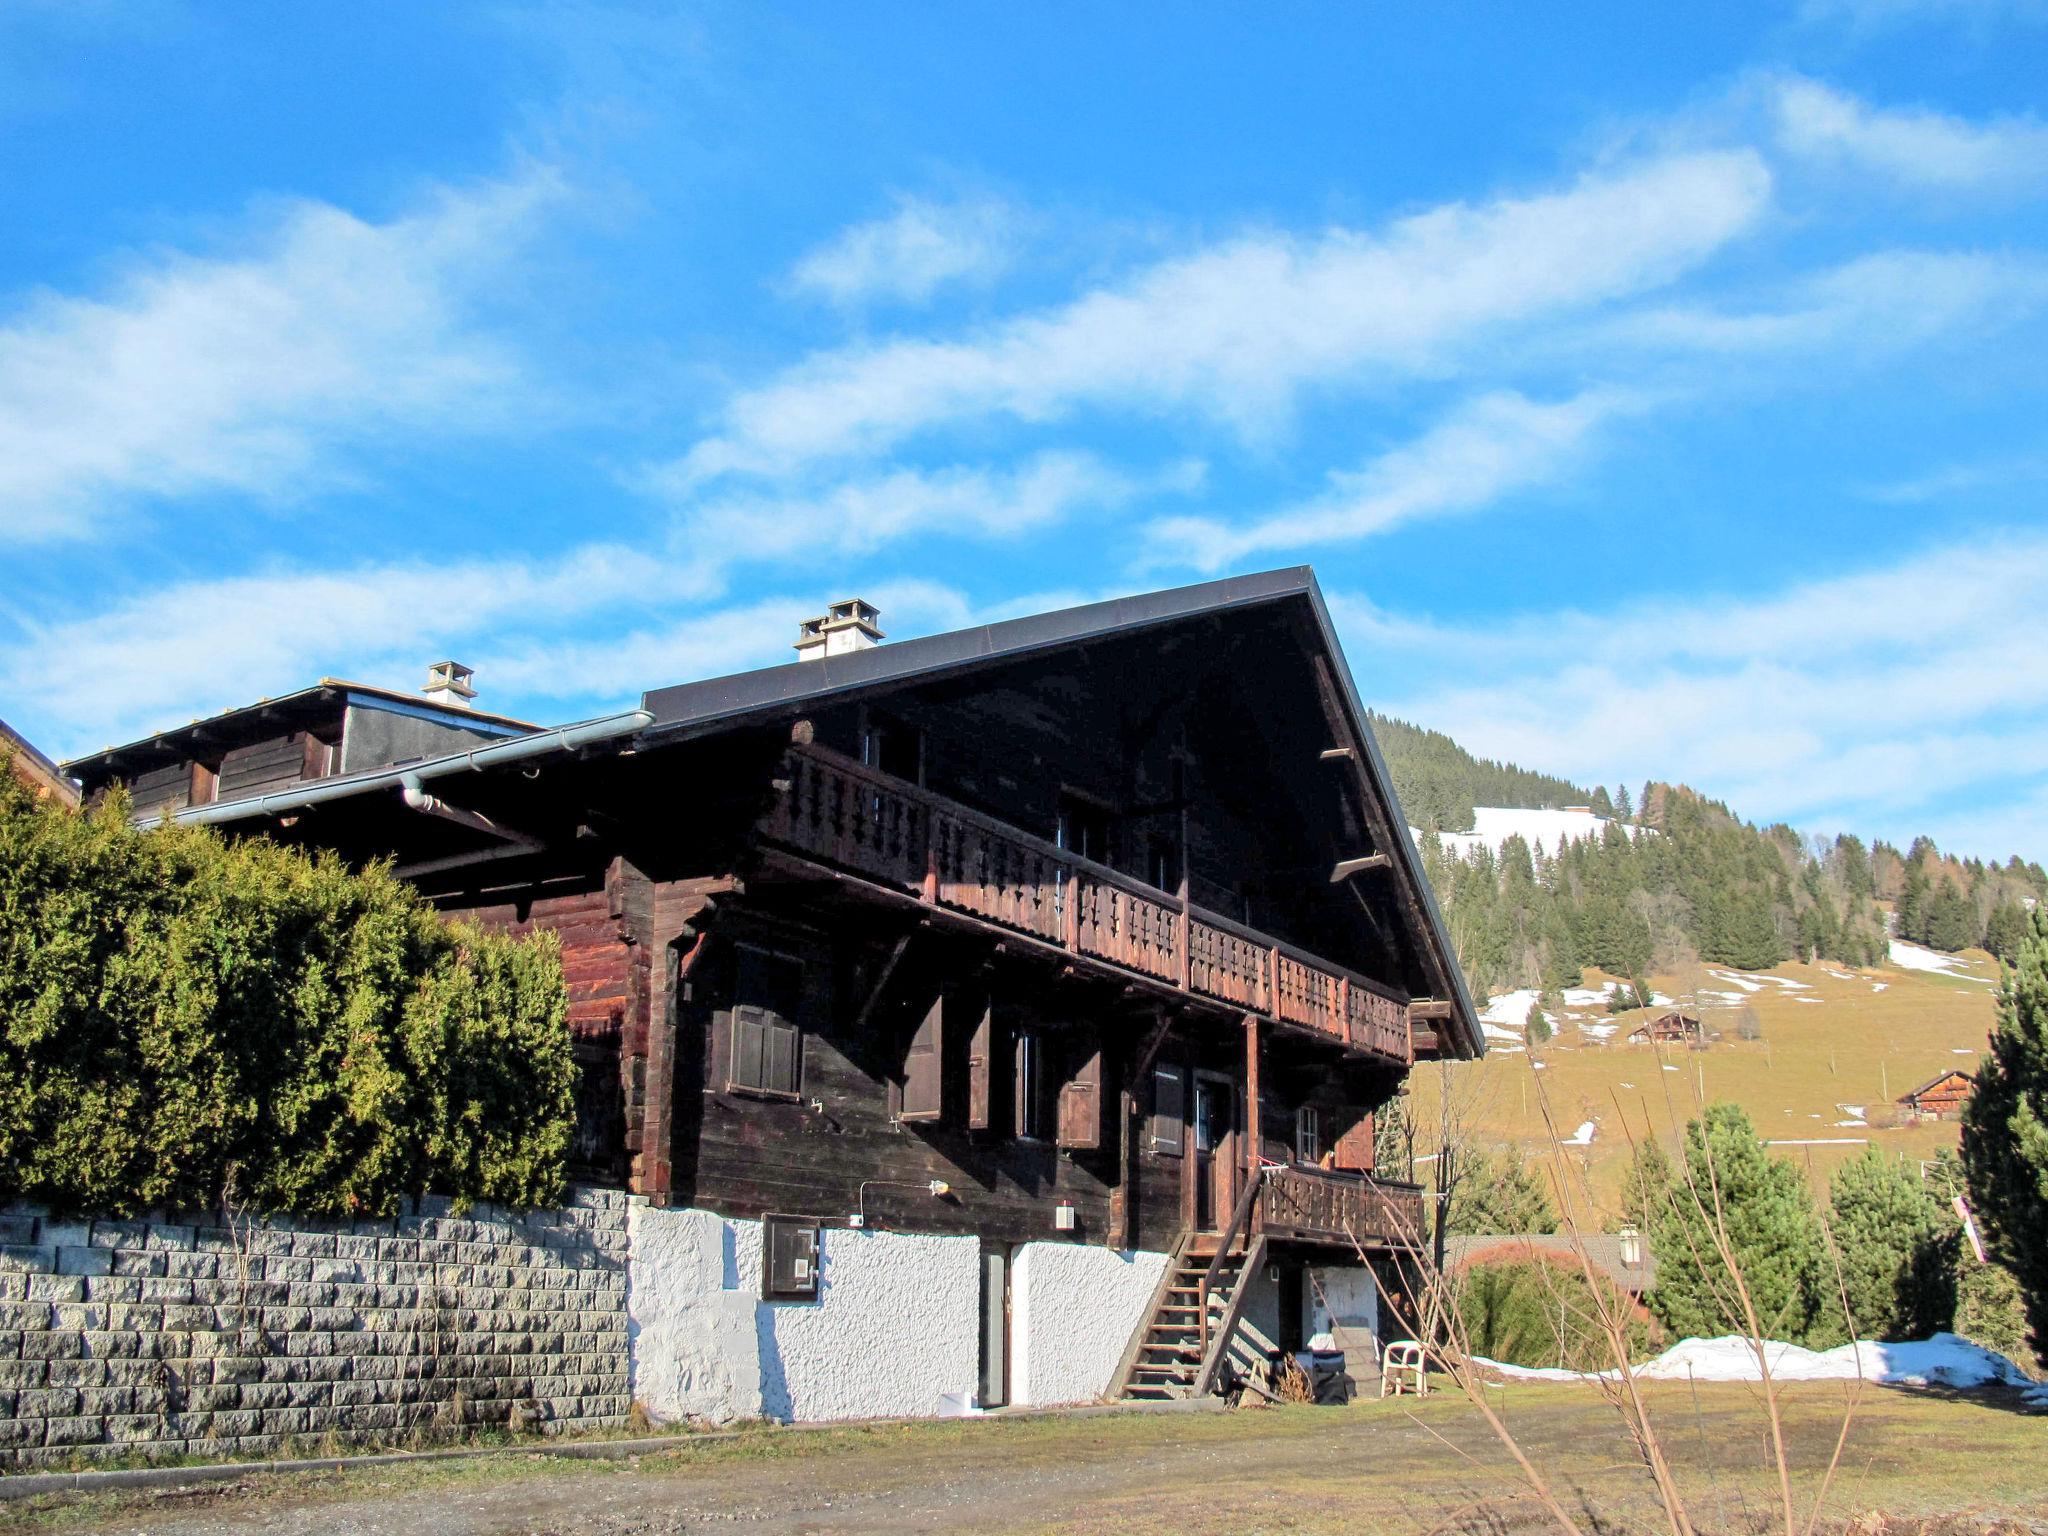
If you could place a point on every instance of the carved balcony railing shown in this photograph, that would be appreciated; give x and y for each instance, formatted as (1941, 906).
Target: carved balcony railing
(830, 808)
(1314, 1205)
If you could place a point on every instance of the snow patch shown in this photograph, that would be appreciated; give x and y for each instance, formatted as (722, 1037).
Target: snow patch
(1734, 980)
(1493, 825)
(1945, 1360)
(1915, 957)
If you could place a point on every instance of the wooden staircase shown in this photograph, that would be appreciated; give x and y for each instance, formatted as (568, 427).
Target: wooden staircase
(1184, 1337)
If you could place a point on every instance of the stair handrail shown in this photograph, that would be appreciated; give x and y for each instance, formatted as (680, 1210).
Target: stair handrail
(1239, 1216)
(1127, 1368)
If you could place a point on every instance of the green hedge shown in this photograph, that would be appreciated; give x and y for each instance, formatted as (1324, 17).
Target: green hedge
(186, 1020)
(1540, 1310)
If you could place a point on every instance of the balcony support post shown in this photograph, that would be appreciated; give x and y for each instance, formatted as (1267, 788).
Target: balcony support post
(1254, 1150)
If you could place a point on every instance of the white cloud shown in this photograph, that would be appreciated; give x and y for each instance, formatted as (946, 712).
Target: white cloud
(1491, 447)
(1843, 698)
(197, 647)
(246, 372)
(1236, 330)
(859, 516)
(1918, 148)
(1875, 304)
(910, 255)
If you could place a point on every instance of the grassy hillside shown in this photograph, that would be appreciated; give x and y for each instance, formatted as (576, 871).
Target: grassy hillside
(1830, 1037)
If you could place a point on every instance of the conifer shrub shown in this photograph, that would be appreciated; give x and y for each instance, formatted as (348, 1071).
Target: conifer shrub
(2005, 1129)
(1524, 1308)
(186, 1020)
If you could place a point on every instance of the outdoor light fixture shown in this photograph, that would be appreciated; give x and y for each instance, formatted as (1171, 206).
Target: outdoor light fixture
(1063, 1216)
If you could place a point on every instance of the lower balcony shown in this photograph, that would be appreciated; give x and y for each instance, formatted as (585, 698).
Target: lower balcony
(1314, 1205)
(839, 812)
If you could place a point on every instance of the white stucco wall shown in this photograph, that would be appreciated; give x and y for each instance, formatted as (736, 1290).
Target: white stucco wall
(894, 1331)
(1072, 1310)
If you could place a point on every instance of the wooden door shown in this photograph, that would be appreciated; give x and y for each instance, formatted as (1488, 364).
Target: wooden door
(1212, 1151)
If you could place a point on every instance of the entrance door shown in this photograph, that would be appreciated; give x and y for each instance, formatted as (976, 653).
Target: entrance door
(1213, 1164)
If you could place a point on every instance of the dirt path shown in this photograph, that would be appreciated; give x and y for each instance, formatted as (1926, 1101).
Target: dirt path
(1370, 1468)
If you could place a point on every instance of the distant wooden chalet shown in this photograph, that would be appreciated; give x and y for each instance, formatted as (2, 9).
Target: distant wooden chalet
(42, 776)
(1622, 1257)
(1094, 927)
(1941, 1097)
(1673, 1028)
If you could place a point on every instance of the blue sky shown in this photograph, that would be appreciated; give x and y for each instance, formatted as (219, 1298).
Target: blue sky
(1653, 399)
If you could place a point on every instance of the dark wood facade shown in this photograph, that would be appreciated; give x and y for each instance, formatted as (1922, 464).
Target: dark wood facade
(1941, 1097)
(1036, 932)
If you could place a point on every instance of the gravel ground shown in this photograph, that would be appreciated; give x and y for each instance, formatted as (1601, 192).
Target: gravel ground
(1914, 1465)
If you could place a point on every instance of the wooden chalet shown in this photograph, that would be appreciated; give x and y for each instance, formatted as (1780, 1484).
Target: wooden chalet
(1097, 927)
(43, 777)
(1941, 1097)
(1673, 1028)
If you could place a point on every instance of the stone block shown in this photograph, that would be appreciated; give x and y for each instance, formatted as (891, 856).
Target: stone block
(188, 1319)
(26, 1259)
(236, 1422)
(112, 1288)
(312, 1245)
(309, 1394)
(304, 1344)
(84, 1260)
(105, 1401)
(56, 1344)
(67, 1317)
(238, 1369)
(132, 1428)
(67, 1288)
(46, 1402)
(15, 1316)
(17, 1431)
(134, 1261)
(322, 1368)
(108, 1344)
(163, 1288)
(76, 1373)
(120, 1234)
(170, 1236)
(192, 1266)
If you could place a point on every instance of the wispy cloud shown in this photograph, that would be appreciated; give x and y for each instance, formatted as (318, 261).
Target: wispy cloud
(1917, 148)
(1845, 699)
(920, 248)
(250, 372)
(1236, 330)
(1491, 447)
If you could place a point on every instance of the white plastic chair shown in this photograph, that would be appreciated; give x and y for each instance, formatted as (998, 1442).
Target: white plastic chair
(1403, 1369)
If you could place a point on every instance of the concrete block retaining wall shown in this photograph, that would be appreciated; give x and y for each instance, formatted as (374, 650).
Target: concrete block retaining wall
(171, 1336)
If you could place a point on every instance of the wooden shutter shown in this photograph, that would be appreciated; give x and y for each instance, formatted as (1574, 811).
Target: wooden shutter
(924, 1067)
(767, 1039)
(980, 1063)
(1081, 1103)
(1354, 1147)
(782, 1057)
(1166, 1131)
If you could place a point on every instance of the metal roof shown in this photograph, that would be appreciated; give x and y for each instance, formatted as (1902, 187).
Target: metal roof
(167, 742)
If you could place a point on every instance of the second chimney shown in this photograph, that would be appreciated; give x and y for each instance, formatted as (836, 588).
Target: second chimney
(850, 625)
(448, 683)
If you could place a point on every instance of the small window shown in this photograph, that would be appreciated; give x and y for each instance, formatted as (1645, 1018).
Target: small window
(789, 1259)
(1166, 1131)
(1162, 863)
(1084, 828)
(766, 1055)
(1308, 1135)
(892, 747)
(1030, 1100)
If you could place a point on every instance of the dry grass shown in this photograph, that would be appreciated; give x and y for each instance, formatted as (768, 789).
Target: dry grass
(1397, 1466)
(1850, 1045)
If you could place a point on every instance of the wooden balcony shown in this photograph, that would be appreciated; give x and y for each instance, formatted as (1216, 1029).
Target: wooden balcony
(1313, 1205)
(829, 808)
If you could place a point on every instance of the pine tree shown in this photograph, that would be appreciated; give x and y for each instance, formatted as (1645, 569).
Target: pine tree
(1951, 920)
(1496, 1192)
(1730, 1184)
(1602, 804)
(1909, 912)
(2005, 1128)
(1881, 1221)
(1624, 808)
(1539, 1026)
(2006, 931)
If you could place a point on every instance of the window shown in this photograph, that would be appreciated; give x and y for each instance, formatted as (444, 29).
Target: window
(1084, 828)
(1162, 862)
(1029, 1079)
(789, 1259)
(1308, 1135)
(889, 745)
(1165, 1132)
(766, 1055)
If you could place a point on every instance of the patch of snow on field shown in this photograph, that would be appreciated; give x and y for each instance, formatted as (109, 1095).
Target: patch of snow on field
(1961, 1050)
(1734, 980)
(1659, 1000)
(1914, 957)
(1506, 1016)
(1598, 1031)
(1816, 1001)
(1493, 825)
(1582, 1137)
(1669, 1068)
(1588, 997)
(1707, 994)
(1790, 985)
(1879, 986)
(1945, 1360)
